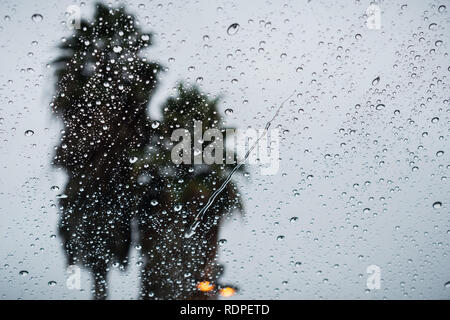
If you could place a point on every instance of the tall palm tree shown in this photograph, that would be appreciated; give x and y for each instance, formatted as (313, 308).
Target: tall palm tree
(103, 88)
(174, 265)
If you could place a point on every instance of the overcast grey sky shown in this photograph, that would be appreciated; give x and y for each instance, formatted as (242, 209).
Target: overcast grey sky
(361, 179)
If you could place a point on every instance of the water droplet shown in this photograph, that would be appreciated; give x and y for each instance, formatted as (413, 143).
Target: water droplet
(432, 26)
(133, 159)
(222, 241)
(447, 284)
(435, 120)
(280, 238)
(54, 188)
(293, 219)
(380, 106)
(437, 204)
(29, 133)
(440, 153)
(154, 202)
(376, 81)
(233, 29)
(117, 49)
(442, 8)
(228, 111)
(52, 283)
(37, 17)
(23, 273)
(178, 207)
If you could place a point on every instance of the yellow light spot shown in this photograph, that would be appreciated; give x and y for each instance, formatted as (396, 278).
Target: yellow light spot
(205, 286)
(227, 292)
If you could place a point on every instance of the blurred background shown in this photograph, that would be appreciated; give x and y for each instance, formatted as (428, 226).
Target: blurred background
(364, 143)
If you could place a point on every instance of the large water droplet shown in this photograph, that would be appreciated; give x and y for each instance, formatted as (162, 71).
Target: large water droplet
(155, 124)
(233, 29)
(437, 204)
(133, 159)
(376, 81)
(37, 17)
(228, 111)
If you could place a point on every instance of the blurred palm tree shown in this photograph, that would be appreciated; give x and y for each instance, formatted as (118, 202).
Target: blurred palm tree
(176, 267)
(103, 88)
(119, 165)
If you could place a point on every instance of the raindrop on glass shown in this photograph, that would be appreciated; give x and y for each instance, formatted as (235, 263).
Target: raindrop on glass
(133, 159)
(37, 17)
(432, 26)
(233, 29)
(380, 106)
(293, 219)
(376, 81)
(437, 204)
(155, 124)
(228, 111)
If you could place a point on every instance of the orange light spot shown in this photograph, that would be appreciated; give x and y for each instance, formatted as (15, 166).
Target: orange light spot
(205, 286)
(227, 292)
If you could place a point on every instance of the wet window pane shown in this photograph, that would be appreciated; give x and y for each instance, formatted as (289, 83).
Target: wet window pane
(224, 150)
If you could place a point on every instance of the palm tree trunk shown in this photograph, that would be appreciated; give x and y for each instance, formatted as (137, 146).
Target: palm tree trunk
(100, 282)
